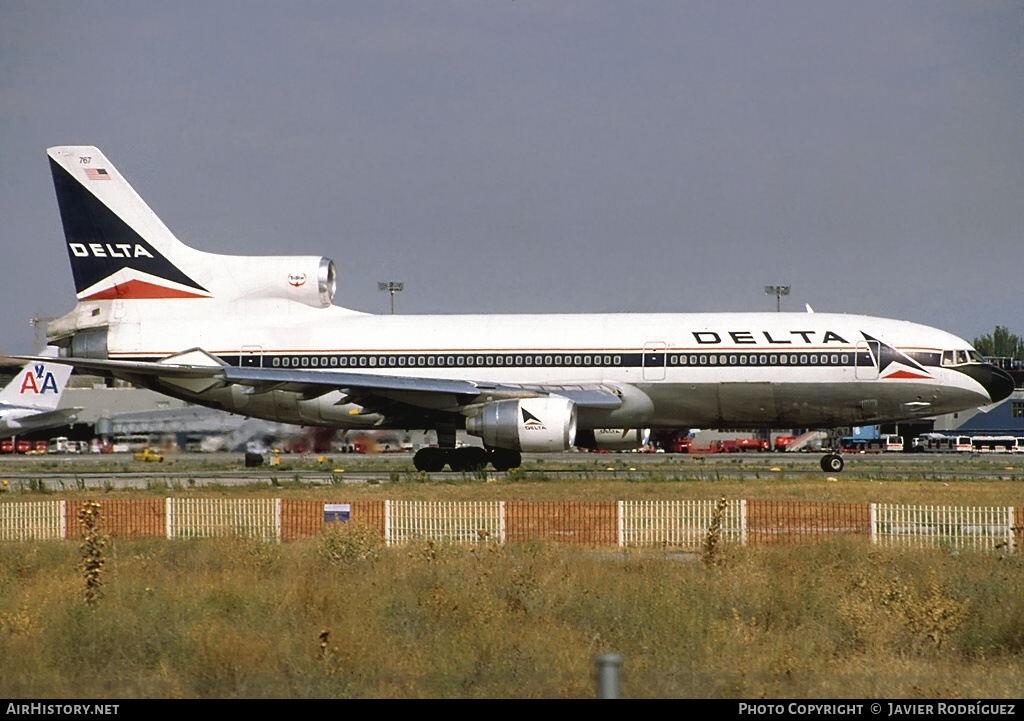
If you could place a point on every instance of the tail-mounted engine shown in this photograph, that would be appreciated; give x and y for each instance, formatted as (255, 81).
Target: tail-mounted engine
(528, 424)
(307, 279)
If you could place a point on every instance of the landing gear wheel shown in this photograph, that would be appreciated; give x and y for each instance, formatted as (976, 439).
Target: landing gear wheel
(471, 458)
(504, 459)
(431, 460)
(833, 462)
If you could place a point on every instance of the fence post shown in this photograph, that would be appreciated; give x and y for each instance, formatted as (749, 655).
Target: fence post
(277, 519)
(387, 522)
(619, 524)
(169, 518)
(501, 522)
(1009, 528)
(873, 522)
(64, 520)
(743, 522)
(608, 665)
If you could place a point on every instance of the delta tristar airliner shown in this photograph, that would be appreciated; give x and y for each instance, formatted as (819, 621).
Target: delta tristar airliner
(259, 336)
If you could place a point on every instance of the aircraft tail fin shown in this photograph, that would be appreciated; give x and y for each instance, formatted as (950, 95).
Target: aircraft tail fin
(118, 247)
(37, 385)
(120, 250)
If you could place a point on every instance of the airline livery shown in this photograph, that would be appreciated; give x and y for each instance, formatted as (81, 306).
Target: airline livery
(29, 402)
(259, 336)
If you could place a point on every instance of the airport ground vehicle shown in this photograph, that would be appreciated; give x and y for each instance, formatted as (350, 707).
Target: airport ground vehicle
(61, 444)
(782, 442)
(19, 445)
(149, 456)
(739, 445)
(884, 443)
(993, 444)
(941, 443)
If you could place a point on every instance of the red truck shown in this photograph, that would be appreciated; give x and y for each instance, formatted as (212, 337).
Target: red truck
(739, 445)
(782, 442)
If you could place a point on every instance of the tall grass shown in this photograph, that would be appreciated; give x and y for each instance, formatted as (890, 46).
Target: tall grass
(342, 616)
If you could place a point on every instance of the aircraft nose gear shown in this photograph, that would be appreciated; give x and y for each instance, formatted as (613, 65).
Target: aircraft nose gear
(833, 462)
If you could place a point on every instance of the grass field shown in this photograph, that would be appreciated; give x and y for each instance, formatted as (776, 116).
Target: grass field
(342, 616)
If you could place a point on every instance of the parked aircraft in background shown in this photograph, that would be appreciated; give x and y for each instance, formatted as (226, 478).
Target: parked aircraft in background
(259, 336)
(29, 402)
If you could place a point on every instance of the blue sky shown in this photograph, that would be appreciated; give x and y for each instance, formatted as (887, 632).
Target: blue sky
(542, 157)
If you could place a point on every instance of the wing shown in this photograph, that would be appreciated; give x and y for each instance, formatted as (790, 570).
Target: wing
(32, 421)
(390, 395)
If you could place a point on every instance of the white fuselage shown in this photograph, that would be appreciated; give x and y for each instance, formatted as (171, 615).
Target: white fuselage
(671, 370)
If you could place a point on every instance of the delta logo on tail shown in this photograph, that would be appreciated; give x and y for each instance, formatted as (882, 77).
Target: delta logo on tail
(38, 381)
(895, 365)
(109, 260)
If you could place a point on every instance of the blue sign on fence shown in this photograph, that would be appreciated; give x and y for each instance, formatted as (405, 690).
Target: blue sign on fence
(337, 512)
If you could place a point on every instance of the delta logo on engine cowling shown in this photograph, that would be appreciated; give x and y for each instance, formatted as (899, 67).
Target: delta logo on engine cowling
(38, 382)
(532, 422)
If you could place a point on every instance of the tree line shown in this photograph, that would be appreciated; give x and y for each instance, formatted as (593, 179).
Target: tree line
(1000, 343)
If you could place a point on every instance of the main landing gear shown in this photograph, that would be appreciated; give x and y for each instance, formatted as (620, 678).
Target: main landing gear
(467, 458)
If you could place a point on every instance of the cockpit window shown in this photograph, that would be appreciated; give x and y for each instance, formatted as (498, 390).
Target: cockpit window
(960, 357)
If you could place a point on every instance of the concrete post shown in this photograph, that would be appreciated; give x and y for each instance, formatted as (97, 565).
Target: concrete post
(608, 665)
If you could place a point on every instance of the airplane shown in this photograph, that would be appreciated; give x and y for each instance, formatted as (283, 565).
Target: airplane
(29, 402)
(260, 336)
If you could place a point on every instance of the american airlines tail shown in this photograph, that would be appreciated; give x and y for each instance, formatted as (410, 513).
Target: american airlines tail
(38, 386)
(120, 250)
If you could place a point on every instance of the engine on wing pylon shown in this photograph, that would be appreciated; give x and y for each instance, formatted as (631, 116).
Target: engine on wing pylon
(528, 424)
(613, 439)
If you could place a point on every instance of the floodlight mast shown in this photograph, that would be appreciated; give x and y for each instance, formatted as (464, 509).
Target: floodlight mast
(392, 287)
(778, 291)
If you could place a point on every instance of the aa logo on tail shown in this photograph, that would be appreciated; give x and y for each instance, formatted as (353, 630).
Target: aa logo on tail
(38, 381)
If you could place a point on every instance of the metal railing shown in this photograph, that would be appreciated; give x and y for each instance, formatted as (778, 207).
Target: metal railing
(667, 524)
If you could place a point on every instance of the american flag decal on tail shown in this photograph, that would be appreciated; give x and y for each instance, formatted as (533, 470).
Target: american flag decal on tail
(97, 174)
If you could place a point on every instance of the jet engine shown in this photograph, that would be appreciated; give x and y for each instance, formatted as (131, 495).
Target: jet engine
(527, 424)
(613, 439)
(309, 280)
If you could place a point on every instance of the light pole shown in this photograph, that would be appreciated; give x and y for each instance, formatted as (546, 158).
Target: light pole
(391, 287)
(778, 291)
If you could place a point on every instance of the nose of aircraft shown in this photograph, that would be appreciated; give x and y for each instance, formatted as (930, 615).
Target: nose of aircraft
(996, 381)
